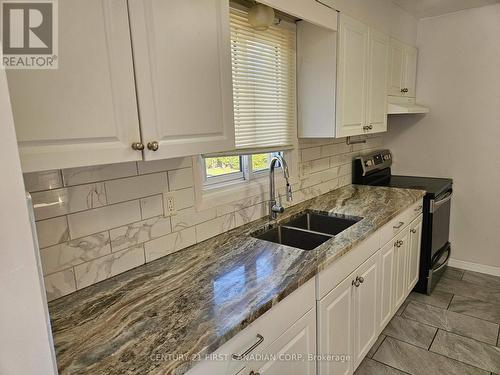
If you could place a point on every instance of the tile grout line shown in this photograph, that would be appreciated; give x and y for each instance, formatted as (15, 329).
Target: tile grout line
(96, 208)
(438, 354)
(449, 303)
(65, 185)
(498, 339)
(385, 364)
(457, 360)
(455, 333)
(379, 346)
(432, 342)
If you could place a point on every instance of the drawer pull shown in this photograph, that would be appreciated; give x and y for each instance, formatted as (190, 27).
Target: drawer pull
(259, 341)
(413, 230)
(401, 223)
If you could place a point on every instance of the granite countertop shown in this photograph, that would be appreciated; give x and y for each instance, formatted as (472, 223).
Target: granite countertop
(192, 301)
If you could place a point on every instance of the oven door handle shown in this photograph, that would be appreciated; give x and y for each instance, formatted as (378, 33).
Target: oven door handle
(436, 204)
(445, 262)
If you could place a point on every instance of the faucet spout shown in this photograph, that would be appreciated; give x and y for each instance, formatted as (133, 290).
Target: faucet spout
(274, 207)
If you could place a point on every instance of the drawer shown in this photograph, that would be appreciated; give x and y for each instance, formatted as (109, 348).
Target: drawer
(329, 278)
(400, 222)
(416, 210)
(269, 326)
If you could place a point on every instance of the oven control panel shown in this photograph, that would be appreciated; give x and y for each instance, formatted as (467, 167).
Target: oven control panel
(374, 160)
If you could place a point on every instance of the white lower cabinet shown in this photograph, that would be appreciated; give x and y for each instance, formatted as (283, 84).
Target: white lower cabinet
(349, 320)
(387, 268)
(356, 297)
(400, 244)
(292, 353)
(336, 330)
(366, 305)
(414, 253)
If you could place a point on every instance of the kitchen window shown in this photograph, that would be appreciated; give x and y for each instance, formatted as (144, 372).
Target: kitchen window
(220, 170)
(264, 101)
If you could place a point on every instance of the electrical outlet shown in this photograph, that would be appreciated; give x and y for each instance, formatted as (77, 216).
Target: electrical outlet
(169, 204)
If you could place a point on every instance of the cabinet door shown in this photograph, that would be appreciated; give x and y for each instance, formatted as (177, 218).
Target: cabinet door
(377, 82)
(401, 243)
(335, 329)
(396, 67)
(288, 355)
(366, 307)
(84, 112)
(410, 71)
(352, 71)
(183, 71)
(387, 267)
(414, 253)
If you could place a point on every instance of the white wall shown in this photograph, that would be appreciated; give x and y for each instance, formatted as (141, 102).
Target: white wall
(459, 79)
(25, 340)
(383, 15)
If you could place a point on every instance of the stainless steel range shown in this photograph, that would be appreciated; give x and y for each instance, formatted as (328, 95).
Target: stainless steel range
(375, 169)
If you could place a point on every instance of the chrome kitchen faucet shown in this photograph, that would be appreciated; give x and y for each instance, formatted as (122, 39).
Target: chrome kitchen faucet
(276, 208)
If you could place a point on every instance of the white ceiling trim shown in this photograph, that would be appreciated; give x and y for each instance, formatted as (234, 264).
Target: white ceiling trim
(433, 8)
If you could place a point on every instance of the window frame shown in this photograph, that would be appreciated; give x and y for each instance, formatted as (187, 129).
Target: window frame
(226, 178)
(246, 174)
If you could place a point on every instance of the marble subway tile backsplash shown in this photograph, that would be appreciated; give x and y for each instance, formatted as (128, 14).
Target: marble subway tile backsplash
(96, 222)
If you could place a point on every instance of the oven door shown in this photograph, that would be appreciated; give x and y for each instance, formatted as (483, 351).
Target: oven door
(439, 264)
(440, 208)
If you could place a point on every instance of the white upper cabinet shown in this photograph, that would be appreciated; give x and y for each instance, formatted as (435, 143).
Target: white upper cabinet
(183, 72)
(316, 80)
(352, 70)
(377, 82)
(402, 69)
(396, 67)
(84, 112)
(410, 79)
(362, 79)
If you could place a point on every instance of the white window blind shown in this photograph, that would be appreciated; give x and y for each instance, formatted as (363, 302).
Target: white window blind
(263, 65)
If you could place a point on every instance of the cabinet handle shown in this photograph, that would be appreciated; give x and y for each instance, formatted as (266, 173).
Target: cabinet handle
(402, 90)
(153, 146)
(413, 230)
(359, 280)
(401, 223)
(259, 341)
(370, 127)
(254, 373)
(398, 243)
(366, 128)
(137, 146)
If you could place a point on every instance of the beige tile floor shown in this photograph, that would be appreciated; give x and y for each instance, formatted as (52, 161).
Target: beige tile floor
(453, 331)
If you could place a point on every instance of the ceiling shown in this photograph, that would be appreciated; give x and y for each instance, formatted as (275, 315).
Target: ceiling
(431, 8)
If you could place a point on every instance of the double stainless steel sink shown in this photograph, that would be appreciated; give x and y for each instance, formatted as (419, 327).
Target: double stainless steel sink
(307, 230)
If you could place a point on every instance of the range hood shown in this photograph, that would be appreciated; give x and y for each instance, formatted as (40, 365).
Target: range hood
(398, 105)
